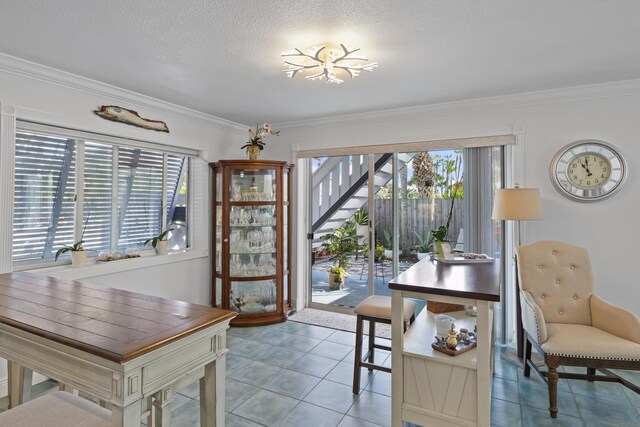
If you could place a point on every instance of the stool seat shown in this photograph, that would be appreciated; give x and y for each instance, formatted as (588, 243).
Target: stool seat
(380, 306)
(375, 309)
(58, 409)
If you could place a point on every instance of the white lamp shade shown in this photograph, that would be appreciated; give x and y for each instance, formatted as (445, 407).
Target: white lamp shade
(517, 204)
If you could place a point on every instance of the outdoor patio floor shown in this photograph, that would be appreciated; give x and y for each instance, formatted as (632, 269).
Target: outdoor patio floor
(355, 286)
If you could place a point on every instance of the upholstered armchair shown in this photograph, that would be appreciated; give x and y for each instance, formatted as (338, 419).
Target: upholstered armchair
(567, 322)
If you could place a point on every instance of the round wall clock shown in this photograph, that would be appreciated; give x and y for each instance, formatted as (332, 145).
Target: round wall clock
(588, 170)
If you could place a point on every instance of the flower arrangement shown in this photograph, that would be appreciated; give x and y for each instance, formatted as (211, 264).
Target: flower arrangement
(256, 139)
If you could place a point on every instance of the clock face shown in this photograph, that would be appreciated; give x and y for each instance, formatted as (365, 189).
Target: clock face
(588, 170)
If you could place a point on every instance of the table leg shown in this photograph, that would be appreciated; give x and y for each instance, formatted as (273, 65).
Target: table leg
(483, 364)
(212, 393)
(161, 406)
(128, 416)
(20, 379)
(397, 342)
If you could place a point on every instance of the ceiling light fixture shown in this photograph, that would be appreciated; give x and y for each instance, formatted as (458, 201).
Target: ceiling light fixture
(327, 61)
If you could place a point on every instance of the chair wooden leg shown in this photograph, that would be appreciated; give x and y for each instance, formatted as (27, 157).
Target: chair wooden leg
(372, 338)
(526, 351)
(552, 376)
(358, 356)
(591, 371)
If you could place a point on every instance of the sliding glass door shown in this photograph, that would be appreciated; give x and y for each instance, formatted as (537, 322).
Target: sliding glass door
(373, 216)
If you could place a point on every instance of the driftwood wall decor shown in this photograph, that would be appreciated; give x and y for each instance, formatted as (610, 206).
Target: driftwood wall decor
(130, 117)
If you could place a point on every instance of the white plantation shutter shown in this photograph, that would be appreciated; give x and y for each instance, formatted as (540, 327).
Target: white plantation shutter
(176, 167)
(123, 185)
(98, 191)
(139, 196)
(43, 196)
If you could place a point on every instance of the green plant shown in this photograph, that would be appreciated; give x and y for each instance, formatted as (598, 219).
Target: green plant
(378, 254)
(77, 246)
(424, 244)
(339, 243)
(339, 271)
(389, 239)
(159, 238)
(256, 138)
(440, 233)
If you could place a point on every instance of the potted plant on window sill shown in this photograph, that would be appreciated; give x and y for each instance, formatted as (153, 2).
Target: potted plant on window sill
(160, 242)
(78, 254)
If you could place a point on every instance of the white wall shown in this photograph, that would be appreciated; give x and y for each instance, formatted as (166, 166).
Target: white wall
(544, 122)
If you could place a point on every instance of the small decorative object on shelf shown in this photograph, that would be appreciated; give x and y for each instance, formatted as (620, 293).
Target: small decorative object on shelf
(116, 256)
(251, 250)
(464, 341)
(256, 141)
(452, 340)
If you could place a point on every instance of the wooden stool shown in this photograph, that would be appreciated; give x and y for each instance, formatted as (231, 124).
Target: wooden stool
(58, 409)
(375, 309)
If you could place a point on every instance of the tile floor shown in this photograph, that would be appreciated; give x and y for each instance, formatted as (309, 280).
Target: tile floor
(293, 374)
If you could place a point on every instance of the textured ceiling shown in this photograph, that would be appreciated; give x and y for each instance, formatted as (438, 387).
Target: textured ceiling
(223, 57)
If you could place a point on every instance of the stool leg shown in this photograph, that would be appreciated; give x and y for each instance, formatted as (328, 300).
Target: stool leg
(358, 356)
(372, 337)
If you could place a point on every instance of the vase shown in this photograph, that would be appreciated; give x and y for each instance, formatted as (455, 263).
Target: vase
(336, 281)
(162, 247)
(422, 255)
(253, 151)
(78, 258)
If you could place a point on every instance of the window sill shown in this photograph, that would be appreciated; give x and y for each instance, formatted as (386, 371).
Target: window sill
(94, 268)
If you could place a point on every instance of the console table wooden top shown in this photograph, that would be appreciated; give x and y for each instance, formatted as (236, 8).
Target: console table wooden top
(114, 324)
(477, 280)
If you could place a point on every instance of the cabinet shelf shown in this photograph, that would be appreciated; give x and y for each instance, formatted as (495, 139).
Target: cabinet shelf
(263, 298)
(418, 339)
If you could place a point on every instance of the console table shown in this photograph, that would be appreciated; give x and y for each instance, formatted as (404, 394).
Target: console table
(429, 387)
(115, 345)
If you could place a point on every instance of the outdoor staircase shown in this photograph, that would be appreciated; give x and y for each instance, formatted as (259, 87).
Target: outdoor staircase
(340, 189)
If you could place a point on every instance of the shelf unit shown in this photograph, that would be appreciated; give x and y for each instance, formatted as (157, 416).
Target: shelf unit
(251, 250)
(429, 387)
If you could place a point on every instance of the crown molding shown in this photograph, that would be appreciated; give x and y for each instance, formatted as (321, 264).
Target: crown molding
(544, 97)
(23, 68)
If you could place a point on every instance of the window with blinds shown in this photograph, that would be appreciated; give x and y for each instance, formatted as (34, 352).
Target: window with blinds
(118, 198)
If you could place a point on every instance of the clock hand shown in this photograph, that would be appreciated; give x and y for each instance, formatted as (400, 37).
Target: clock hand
(586, 160)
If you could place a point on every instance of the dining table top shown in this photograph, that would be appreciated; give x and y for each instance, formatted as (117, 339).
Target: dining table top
(111, 323)
(473, 280)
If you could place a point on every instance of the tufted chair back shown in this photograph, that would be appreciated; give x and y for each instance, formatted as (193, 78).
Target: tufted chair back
(558, 277)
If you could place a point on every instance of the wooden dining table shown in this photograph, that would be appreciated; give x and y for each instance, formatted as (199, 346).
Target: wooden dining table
(118, 346)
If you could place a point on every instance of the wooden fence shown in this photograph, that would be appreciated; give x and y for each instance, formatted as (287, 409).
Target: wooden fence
(414, 216)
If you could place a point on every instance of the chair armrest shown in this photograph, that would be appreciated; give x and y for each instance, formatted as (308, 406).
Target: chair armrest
(615, 320)
(532, 318)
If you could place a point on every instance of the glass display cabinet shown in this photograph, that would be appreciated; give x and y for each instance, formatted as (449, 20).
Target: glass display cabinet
(251, 250)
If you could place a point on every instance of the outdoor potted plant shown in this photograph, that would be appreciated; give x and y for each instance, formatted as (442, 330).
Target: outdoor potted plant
(424, 245)
(256, 140)
(388, 248)
(339, 243)
(160, 242)
(337, 275)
